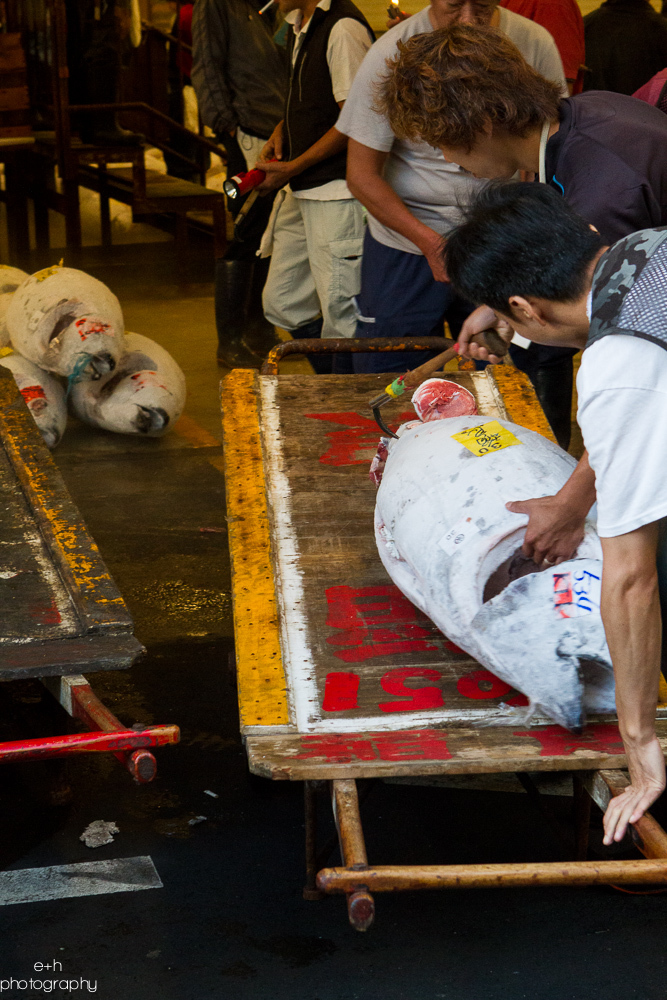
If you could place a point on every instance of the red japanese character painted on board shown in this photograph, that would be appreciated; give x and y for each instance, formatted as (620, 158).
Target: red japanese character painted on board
(407, 744)
(376, 621)
(558, 742)
(357, 442)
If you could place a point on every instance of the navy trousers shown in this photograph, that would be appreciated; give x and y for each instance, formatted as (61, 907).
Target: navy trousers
(400, 298)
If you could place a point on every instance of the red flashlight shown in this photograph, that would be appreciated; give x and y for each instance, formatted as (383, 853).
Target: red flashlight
(240, 184)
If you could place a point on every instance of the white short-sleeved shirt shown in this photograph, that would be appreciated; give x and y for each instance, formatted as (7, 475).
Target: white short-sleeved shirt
(430, 186)
(348, 43)
(622, 413)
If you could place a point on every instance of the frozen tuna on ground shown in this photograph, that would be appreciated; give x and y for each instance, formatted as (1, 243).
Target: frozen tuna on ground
(67, 322)
(10, 279)
(43, 394)
(448, 542)
(144, 395)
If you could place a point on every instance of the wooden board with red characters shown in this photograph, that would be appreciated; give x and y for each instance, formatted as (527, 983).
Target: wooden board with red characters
(339, 674)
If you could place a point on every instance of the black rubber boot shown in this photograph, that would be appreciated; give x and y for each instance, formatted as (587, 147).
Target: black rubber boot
(260, 335)
(233, 283)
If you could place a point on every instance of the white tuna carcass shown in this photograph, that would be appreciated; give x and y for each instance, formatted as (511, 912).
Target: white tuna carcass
(43, 394)
(67, 322)
(10, 279)
(144, 395)
(448, 542)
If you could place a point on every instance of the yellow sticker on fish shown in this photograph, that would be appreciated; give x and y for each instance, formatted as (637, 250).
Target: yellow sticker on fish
(485, 438)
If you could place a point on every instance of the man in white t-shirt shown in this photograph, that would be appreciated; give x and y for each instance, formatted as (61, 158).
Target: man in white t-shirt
(549, 276)
(411, 192)
(316, 231)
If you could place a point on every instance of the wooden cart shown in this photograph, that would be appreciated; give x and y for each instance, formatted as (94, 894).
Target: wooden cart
(340, 677)
(61, 611)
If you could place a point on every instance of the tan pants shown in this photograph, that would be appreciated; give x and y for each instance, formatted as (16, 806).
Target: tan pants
(315, 264)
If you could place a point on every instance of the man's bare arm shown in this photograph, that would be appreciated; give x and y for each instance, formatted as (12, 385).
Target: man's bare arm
(365, 181)
(632, 621)
(556, 525)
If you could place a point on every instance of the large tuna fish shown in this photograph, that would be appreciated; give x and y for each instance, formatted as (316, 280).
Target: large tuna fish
(67, 322)
(10, 279)
(448, 542)
(144, 395)
(43, 394)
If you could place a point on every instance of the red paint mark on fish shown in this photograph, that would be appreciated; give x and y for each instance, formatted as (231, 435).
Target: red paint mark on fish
(31, 392)
(375, 621)
(147, 378)
(94, 326)
(360, 434)
(419, 698)
(558, 742)
(408, 744)
(340, 691)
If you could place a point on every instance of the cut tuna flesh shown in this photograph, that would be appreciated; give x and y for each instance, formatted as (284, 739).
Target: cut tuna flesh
(436, 398)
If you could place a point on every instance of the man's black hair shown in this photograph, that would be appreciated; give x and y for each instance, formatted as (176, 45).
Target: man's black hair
(520, 239)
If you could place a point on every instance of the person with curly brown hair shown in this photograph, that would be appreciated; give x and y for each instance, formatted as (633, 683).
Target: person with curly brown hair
(471, 94)
(411, 194)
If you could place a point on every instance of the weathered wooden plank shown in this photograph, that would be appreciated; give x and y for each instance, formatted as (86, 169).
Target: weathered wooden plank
(68, 657)
(520, 400)
(261, 680)
(432, 750)
(355, 648)
(61, 611)
(67, 541)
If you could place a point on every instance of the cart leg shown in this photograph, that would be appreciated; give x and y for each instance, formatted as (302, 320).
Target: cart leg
(310, 890)
(345, 801)
(582, 818)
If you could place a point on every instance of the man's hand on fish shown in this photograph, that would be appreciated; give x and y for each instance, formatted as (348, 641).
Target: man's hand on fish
(554, 531)
(556, 524)
(483, 318)
(647, 773)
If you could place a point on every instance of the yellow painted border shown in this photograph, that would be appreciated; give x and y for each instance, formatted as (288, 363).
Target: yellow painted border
(262, 687)
(521, 403)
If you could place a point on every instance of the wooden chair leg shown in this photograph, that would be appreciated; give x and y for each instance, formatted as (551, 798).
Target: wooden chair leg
(105, 211)
(72, 213)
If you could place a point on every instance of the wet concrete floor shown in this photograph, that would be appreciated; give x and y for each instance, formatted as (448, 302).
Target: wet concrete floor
(230, 922)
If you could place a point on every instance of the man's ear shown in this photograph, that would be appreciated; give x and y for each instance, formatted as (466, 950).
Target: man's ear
(526, 311)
